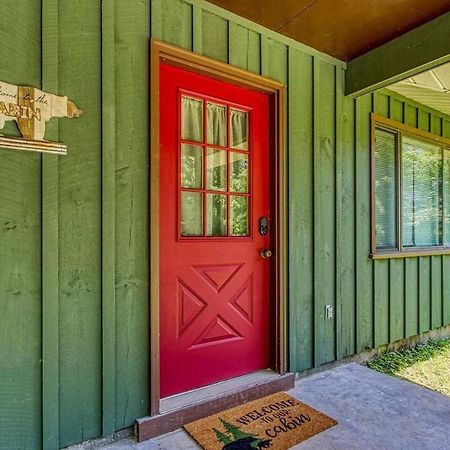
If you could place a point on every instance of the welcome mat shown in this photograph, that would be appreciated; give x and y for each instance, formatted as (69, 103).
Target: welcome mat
(277, 421)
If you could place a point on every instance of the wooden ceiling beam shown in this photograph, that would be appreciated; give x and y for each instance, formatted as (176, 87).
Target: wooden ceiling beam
(421, 49)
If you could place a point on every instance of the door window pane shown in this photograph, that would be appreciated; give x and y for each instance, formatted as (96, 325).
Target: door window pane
(217, 124)
(239, 216)
(191, 119)
(191, 166)
(216, 215)
(191, 214)
(217, 169)
(422, 208)
(238, 172)
(214, 173)
(239, 129)
(385, 189)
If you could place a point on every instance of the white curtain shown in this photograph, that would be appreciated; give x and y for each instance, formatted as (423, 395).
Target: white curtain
(217, 124)
(239, 129)
(191, 119)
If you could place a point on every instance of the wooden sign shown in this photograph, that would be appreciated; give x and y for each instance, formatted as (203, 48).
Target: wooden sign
(31, 109)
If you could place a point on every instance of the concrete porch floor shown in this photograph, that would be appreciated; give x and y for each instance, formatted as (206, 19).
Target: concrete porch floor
(374, 411)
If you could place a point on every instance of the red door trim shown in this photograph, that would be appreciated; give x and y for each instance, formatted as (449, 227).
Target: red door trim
(160, 51)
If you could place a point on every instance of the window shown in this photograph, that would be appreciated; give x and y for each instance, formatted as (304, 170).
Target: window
(214, 187)
(410, 190)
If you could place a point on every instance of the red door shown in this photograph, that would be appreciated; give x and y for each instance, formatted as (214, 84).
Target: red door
(214, 206)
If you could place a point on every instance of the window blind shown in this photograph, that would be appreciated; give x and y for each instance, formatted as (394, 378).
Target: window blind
(385, 191)
(446, 196)
(421, 193)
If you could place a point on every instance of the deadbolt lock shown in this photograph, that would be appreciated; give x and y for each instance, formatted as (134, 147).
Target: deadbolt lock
(265, 253)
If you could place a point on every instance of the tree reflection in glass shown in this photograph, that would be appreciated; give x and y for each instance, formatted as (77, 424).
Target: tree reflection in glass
(216, 215)
(239, 215)
(191, 214)
(191, 166)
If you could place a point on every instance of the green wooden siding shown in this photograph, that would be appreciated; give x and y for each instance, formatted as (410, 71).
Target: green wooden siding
(74, 240)
(20, 247)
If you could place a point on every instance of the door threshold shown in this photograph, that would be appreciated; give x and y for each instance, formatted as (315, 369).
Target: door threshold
(181, 409)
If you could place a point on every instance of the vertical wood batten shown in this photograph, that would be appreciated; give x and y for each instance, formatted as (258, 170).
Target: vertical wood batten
(215, 36)
(156, 19)
(274, 60)
(254, 52)
(301, 235)
(132, 25)
(381, 105)
(364, 272)
(80, 249)
(244, 48)
(171, 21)
(345, 222)
(424, 261)
(237, 45)
(50, 233)
(339, 86)
(411, 264)
(396, 266)
(108, 219)
(324, 210)
(436, 292)
(274, 64)
(197, 29)
(436, 261)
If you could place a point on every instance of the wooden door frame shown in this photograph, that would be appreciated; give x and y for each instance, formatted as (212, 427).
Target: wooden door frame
(162, 52)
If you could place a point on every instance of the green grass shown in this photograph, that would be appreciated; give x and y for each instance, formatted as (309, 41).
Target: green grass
(393, 362)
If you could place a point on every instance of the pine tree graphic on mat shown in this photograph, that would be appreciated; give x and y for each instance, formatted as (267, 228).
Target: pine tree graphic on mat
(239, 440)
(235, 431)
(222, 437)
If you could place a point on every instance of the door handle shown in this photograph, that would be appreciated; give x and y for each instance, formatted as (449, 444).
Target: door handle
(265, 253)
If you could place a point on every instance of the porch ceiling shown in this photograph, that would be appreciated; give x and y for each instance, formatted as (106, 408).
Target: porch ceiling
(344, 29)
(431, 88)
